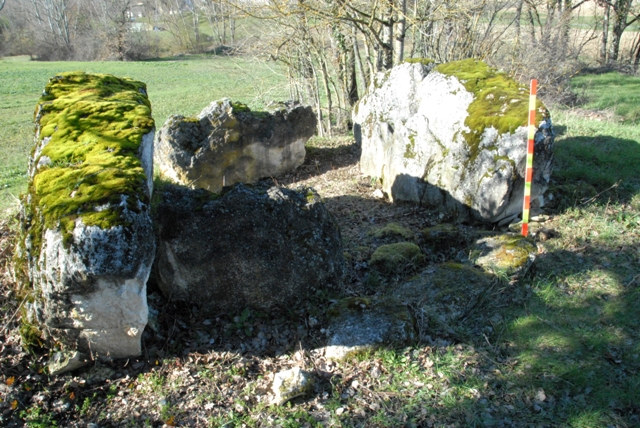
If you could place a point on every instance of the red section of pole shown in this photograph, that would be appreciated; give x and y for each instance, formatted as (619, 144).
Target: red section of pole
(526, 203)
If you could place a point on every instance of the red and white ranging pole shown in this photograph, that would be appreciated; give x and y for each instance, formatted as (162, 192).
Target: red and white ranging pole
(529, 169)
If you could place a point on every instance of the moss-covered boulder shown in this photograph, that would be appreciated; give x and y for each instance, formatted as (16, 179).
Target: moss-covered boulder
(453, 136)
(396, 258)
(251, 246)
(507, 254)
(360, 324)
(227, 143)
(87, 236)
(391, 232)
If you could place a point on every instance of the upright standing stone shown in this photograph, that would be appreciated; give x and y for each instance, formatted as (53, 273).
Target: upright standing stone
(87, 234)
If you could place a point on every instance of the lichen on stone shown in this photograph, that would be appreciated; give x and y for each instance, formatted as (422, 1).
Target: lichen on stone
(361, 324)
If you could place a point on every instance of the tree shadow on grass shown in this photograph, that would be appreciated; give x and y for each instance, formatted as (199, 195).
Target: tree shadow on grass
(600, 168)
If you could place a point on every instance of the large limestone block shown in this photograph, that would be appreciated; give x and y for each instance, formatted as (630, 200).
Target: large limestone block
(453, 136)
(88, 240)
(263, 247)
(227, 143)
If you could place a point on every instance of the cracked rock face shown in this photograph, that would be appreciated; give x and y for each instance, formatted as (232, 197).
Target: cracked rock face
(88, 242)
(252, 246)
(455, 137)
(227, 143)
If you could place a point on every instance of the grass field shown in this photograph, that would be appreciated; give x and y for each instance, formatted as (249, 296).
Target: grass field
(183, 85)
(563, 351)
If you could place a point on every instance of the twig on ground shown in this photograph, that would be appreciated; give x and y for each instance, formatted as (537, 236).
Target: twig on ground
(613, 186)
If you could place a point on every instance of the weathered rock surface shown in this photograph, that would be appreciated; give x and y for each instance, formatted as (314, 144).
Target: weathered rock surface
(88, 240)
(227, 143)
(259, 246)
(360, 324)
(292, 383)
(453, 137)
(509, 254)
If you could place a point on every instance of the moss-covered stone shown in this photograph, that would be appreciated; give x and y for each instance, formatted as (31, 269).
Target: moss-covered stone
(396, 258)
(290, 384)
(507, 254)
(85, 227)
(392, 231)
(499, 101)
(90, 127)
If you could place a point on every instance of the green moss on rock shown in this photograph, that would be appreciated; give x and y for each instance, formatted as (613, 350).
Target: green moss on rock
(499, 101)
(95, 124)
(396, 258)
(508, 254)
(392, 231)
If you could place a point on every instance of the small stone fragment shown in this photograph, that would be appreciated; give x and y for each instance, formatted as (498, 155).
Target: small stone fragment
(290, 384)
(62, 362)
(445, 236)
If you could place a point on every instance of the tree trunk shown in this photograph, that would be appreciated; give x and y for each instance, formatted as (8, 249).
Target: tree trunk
(605, 34)
(636, 57)
(356, 52)
(402, 27)
(386, 47)
(517, 18)
(621, 12)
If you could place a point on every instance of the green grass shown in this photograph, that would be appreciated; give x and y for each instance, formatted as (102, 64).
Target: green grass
(183, 86)
(601, 154)
(610, 91)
